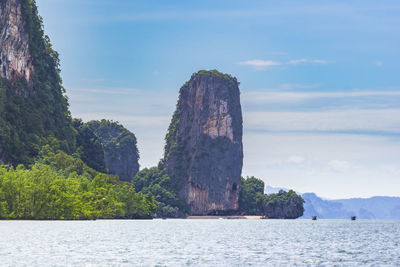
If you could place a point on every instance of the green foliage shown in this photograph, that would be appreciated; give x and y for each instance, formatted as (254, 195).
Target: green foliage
(137, 205)
(66, 164)
(46, 77)
(250, 189)
(157, 182)
(35, 123)
(33, 110)
(120, 148)
(171, 139)
(283, 205)
(89, 146)
(112, 135)
(60, 186)
(215, 73)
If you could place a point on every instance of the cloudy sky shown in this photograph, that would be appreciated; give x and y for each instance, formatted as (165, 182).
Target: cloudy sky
(320, 82)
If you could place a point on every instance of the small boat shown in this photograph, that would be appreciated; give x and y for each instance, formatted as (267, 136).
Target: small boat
(314, 218)
(353, 218)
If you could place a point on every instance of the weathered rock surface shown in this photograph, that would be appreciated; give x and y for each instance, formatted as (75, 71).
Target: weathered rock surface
(33, 106)
(204, 149)
(119, 145)
(15, 58)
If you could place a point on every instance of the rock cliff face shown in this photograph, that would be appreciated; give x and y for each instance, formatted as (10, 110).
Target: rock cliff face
(119, 145)
(32, 102)
(15, 58)
(204, 149)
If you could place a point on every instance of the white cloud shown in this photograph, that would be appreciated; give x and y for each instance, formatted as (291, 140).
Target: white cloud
(271, 162)
(267, 97)
(146, 113)
(259, 64)
(292, 86)
(305, 60)
(292, 160)
(338, 165)
(297, 61)
(320, 61)
(359, 120)
(295, 159)
(360, 111)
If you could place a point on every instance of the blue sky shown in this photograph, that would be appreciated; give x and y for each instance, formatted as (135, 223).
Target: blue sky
(320, 80)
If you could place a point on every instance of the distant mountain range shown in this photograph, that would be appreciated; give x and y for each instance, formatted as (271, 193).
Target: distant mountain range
(379, 207)
(384, 208)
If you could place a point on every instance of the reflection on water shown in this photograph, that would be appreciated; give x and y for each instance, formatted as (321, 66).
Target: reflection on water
(199, 242)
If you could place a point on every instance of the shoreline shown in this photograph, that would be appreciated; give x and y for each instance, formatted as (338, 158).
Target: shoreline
(245, 217)
(208, 217)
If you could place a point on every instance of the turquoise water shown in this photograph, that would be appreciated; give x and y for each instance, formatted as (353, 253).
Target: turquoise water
(200, 243)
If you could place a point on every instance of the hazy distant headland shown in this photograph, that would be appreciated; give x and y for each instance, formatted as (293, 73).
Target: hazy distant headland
(379, 207)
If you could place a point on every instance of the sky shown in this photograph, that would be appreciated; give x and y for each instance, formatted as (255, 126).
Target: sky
(319, 80)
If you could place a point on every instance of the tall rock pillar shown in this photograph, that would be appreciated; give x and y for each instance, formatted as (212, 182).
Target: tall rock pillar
(204, 151)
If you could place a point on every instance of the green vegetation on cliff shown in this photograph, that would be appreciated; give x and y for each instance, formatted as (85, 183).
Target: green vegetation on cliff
(283, 205)
(59, 164)
(250, 190)
(36, 109)
(60, 186)
(89, 146)
(157, 182)
(174, 144)
(120, 148)
(232, 80)
(67, 158)
(201, 154)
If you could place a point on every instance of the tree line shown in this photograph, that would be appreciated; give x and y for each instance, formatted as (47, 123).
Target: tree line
(282, 205)
(62, 186)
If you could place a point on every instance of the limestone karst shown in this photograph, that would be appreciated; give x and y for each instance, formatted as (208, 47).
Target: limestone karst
(204, 151)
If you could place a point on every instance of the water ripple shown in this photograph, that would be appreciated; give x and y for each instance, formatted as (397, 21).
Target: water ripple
(200, 243)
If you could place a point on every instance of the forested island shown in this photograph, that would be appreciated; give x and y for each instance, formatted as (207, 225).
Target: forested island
(56, 167)
(282, 205)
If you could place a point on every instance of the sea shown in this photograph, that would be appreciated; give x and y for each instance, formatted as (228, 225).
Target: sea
(200, 242)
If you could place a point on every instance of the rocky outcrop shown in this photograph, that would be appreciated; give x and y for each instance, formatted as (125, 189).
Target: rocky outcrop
(119, 146)
(33, 106)
(204, 151)
(15, 58)
(89, 146)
